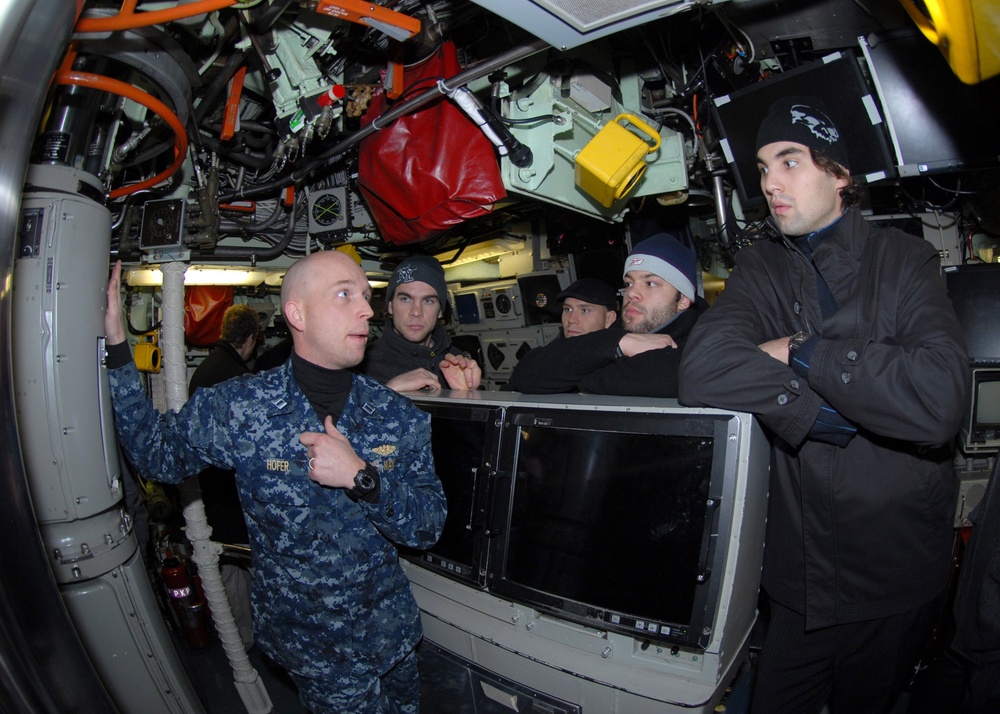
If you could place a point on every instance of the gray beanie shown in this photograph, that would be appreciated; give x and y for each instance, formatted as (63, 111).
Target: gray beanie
(419, 269)
(803, 120)
(664, 255)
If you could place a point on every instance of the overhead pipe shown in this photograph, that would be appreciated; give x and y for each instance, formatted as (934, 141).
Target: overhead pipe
(128, 19)
(67, 76)
(471, 74)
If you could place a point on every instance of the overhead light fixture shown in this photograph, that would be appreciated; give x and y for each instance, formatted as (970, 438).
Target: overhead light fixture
(481, 251)
(197, 275)
(218, 275)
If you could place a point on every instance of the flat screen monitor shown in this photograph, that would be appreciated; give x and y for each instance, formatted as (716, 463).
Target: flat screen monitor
(611, 522)
(936, 122)
(464, 444)
(975, 294)
(838, 82)
(981, 428)
(467, 309)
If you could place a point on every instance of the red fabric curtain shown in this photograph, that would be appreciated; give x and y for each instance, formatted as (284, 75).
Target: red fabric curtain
(204, 306)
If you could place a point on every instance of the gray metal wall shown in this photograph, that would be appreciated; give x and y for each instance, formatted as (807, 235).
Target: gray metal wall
(43, 667)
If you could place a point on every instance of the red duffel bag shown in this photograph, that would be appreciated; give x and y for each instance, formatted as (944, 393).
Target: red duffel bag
(431, 169)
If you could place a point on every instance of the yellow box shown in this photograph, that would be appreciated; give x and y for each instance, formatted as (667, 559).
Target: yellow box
(147, 354)
(966, 31)
(611, 163)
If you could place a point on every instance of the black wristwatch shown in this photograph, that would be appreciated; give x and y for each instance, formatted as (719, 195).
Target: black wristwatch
(796, 341)
(366, 482)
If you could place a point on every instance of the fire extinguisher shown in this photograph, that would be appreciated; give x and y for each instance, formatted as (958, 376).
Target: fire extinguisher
(186, 600)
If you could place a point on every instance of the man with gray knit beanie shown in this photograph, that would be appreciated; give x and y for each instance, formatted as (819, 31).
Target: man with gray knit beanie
(660, 306)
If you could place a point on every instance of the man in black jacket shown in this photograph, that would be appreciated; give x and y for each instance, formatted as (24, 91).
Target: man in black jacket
(588, 305)
(641, 359)
(415, 350)
(840, 338)
(228, 359)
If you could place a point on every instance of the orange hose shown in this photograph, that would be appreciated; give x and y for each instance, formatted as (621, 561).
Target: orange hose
(128, 19)
(107, 84)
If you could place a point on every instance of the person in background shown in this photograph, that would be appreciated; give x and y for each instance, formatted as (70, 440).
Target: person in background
(273, 356)
(840, 338)
(415, 351)
(335, 473)
(228, 359)
(588, 305)
(640, 359)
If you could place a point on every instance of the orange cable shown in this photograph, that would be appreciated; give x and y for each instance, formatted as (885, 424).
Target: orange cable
(107, 84)
(127, 19)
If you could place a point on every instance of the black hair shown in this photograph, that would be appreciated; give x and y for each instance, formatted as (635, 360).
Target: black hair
(852, 193)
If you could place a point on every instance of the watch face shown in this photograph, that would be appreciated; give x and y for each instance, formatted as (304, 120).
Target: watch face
(327, 209)
(364, 481)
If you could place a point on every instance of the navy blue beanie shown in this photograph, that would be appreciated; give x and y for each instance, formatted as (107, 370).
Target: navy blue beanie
(664, 255)
(803, 120)
(419, 269)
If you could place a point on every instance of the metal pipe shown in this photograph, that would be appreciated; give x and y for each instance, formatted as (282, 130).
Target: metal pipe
(462, 78)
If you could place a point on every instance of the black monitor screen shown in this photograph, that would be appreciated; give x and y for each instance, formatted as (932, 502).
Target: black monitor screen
(837, 81)
(467, 307)
(461, 442)
(937, 123)
(988, 404)
(975, 293)
(611, 525)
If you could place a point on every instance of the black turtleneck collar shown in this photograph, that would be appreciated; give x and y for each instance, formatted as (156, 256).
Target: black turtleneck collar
(326, 389)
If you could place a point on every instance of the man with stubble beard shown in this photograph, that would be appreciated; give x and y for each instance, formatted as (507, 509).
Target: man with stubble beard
(660, 306)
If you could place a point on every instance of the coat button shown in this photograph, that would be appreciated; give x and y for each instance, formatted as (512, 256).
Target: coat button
(853, 355)
(794, 384)
(782, 399)
(845, 377)
(797, 307)
(390, 511)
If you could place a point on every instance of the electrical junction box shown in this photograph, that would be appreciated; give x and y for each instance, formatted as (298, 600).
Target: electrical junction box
(569, 113)
(611, 163)
(162, 224)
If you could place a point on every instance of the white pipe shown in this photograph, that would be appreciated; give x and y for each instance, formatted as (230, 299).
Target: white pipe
(205, 552)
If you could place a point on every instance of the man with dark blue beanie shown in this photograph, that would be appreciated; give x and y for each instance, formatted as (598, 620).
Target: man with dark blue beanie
(415, 350)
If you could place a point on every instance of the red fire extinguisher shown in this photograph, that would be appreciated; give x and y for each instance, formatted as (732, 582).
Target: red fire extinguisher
(186, 600)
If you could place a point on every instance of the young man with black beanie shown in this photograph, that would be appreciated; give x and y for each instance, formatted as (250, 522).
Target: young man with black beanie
(415, 350)
(840, 338)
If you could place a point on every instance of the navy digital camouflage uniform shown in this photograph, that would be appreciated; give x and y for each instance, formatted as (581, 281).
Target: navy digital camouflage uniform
(331, 603)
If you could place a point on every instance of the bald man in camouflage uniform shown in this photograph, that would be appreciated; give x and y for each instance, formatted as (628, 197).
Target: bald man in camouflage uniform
(334, 471)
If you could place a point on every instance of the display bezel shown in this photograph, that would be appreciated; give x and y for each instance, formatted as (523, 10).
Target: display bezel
(927, 107)
(978, 437)
(468, 523)
(695, 629)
